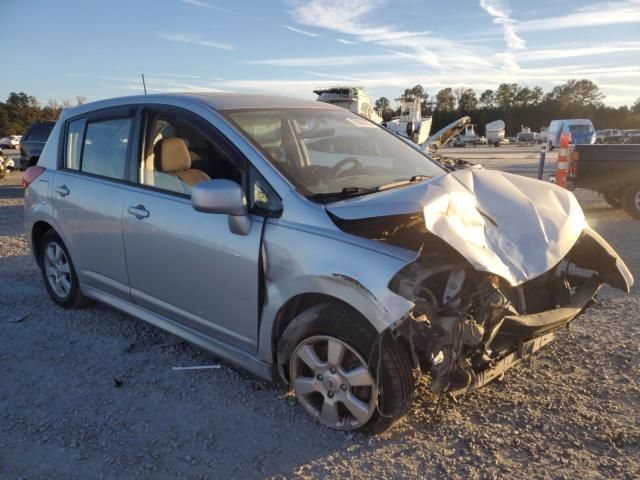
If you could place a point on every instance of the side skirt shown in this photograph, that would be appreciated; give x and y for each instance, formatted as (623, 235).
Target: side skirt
(227, 352)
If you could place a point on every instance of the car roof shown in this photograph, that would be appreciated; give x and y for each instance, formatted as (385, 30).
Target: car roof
(216, 101)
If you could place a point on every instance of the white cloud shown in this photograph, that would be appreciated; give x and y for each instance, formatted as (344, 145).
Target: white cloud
(325, 61)
(199, 3)
(605, 13)
(346, 42)
(194, 39)
(571, 51)
(357, 18)
(303, 32)
(501, 16)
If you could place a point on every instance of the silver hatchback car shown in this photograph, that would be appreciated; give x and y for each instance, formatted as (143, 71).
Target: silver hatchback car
(305, 243)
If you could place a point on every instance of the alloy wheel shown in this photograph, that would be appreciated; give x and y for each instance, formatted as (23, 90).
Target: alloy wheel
(57, 269)
(333, 383)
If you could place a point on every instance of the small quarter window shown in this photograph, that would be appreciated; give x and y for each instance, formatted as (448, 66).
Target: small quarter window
(105, 148)
(75, 131)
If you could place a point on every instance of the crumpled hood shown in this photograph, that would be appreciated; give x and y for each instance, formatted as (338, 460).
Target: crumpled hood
(513, 226)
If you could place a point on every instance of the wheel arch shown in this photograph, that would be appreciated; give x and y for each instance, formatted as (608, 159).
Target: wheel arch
(38, 230)
(294, 307)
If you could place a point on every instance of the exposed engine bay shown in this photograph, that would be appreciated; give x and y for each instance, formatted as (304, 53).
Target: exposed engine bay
(469, 326)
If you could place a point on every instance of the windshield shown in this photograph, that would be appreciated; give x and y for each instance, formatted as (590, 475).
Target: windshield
(325, 151)
(580, 128)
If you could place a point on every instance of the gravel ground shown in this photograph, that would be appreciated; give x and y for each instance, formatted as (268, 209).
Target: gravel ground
(91, 394)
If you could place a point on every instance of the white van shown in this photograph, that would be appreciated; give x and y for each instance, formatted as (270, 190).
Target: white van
(581, 130)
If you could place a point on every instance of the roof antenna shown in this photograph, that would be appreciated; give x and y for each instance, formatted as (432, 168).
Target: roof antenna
(144, 85)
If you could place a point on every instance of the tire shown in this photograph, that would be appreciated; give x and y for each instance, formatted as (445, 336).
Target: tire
(631, 200)
(55, 263)
(332, 325)
(613, 199)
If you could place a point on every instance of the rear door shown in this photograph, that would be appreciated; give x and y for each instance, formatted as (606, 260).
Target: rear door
(88, 194)
(186, 265)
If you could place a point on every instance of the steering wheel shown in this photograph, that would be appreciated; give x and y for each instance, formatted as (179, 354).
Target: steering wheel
(335, 170)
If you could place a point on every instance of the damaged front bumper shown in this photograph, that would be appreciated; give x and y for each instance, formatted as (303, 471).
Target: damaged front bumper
(476, 326)
(503, 261)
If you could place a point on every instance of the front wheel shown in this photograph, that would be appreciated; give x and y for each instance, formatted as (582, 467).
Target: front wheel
(631, 200)
(334, 370)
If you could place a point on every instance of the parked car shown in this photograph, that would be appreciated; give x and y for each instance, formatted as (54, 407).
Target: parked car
(343, 268)
(580, 129)
(631, 136)
(10, 142)
(3, 169)
(609, 136)
(526, 138)
(611, 170)
(33, 141)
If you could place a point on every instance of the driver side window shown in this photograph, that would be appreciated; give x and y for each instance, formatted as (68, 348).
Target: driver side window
(181, 150)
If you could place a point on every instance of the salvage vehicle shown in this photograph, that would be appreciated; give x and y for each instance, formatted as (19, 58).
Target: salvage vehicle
(611, 170)
(609, 136)
(234, 222)
(411, 124)
(631, 135)
(3, 169)
(354, 99)
(10, 142)
(580, 129)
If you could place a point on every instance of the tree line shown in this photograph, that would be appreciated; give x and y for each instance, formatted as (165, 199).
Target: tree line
(21, 110)
(519, 106)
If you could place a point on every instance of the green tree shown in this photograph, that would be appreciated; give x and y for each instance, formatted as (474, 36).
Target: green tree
(488, 99)
(382, 104)
(467, 100)
(636, 107)
(445, 100)
(577, 93)
(506, 94)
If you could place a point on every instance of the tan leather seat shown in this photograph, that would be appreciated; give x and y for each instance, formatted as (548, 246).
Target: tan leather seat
(172, 157)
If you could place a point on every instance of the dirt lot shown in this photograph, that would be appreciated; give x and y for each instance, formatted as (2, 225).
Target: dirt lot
(91, 394)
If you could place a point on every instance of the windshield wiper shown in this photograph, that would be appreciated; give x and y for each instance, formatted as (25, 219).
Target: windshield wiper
(399, 183)
(346, 192)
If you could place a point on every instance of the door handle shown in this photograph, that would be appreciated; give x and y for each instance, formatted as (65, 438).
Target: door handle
(139, 211)
(63, 190)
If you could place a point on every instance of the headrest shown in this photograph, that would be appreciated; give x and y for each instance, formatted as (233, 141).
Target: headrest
(173, 155)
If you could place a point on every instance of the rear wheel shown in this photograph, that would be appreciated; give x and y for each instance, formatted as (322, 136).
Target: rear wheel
(631, 200)
(58, 273)
(333, 366)
(613, 199)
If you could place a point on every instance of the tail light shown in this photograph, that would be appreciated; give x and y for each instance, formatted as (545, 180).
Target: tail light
(31, 174)
(573, 170)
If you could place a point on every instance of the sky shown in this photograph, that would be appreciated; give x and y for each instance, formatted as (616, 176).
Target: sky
(97, 49)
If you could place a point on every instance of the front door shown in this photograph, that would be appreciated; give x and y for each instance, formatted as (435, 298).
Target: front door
(183, 264)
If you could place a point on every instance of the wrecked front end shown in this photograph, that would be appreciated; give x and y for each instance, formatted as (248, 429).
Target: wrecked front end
(496, 274)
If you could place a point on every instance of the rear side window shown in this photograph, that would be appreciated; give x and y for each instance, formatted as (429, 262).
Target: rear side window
(105, 148)
(75, 130)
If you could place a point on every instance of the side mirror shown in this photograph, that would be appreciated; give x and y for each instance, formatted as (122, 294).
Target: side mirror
(223, 197)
